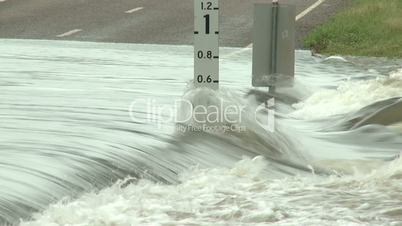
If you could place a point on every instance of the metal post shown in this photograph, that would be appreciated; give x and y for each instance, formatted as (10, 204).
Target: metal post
(274, 44)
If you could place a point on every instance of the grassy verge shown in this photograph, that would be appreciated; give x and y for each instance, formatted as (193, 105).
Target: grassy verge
(366, 28)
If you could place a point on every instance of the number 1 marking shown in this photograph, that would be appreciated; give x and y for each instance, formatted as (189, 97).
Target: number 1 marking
(206, 24)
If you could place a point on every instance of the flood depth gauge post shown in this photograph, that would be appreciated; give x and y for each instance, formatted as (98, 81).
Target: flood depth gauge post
(206, 43)
(273, 45)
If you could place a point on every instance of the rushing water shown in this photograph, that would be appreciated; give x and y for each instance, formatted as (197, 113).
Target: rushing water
(87, 138)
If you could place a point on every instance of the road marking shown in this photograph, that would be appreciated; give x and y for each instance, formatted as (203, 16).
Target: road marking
(68, 33)
(3, 0)
(134, 10)
(309, 9)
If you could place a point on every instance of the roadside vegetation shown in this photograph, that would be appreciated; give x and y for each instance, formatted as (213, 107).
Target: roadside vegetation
(366, 28)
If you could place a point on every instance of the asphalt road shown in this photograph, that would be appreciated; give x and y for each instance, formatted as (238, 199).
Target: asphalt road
(138, 21)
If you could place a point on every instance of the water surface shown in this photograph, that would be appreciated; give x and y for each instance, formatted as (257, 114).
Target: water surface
(76, 117)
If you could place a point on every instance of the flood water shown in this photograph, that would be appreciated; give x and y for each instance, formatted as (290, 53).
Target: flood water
(89, 135)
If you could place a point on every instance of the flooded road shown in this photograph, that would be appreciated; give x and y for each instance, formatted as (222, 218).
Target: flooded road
(91, 128)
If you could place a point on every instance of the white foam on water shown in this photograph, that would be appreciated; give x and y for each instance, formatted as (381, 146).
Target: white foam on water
(396, 74)
(348, 97)
(242, 195)
(335, 58)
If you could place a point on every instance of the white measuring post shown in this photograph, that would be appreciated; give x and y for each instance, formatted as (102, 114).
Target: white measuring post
(206, 43)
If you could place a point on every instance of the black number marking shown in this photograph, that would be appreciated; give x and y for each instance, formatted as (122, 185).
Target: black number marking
(200, 55)
(207, 7)
(200, 79)
(206, 24)
(209, 54)
(209, 79)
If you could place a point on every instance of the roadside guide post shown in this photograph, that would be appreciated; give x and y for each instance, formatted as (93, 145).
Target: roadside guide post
(206, 44)
(273, 45)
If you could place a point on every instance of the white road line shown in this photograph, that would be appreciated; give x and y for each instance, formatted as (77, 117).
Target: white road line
(134, 10)
(309, 9)
(3, 0)
(301, 15)
(68, 33)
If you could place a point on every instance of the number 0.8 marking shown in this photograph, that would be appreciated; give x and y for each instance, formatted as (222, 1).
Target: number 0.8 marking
(200, 54)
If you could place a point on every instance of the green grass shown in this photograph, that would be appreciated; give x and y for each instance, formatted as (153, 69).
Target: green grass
(366, 28)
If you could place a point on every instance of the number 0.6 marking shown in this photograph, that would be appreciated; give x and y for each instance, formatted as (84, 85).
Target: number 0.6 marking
(200, 79)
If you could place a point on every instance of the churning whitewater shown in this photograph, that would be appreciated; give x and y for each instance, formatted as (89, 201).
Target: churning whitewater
(89, 136)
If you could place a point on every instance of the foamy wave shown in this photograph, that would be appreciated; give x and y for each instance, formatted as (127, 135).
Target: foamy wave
(348, 97)
(205, 197)
(241, 195)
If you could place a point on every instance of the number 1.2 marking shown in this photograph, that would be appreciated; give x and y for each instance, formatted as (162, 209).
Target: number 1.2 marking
(209, 6)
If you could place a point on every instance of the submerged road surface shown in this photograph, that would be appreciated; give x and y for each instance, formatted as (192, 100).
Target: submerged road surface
(141, 21)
